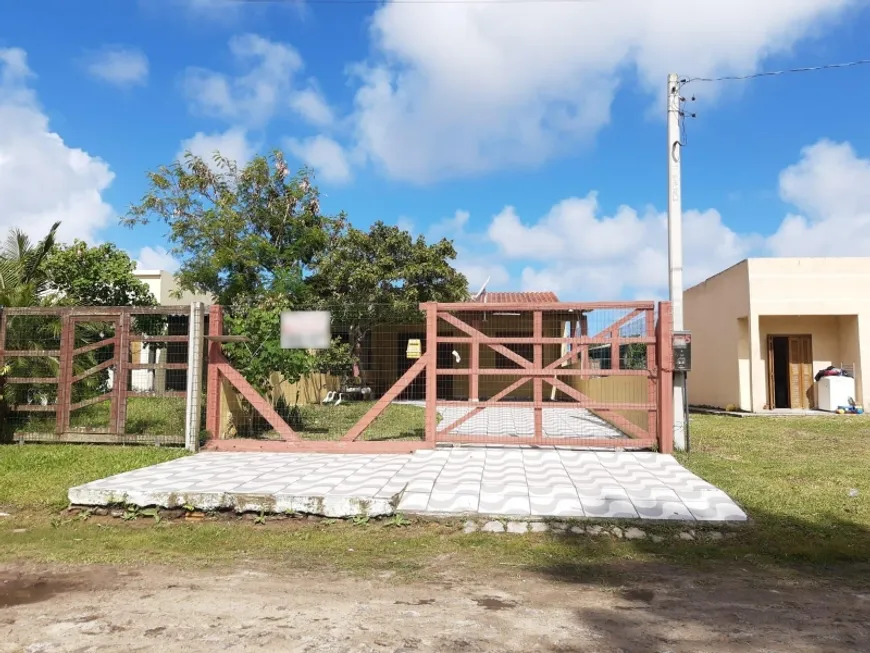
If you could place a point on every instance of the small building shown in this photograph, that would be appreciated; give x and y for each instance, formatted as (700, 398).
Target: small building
(762, 329)
(163, 286)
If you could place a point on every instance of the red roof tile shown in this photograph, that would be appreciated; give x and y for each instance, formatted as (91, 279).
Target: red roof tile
(518, 297)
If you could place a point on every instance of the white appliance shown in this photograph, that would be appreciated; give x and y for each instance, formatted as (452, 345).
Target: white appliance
(834, 391)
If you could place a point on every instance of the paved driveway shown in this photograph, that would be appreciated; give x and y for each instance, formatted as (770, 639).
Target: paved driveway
(509, 482)
(505, 422)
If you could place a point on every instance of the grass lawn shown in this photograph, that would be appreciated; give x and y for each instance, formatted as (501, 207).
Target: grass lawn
(793, 476)
(319, 422)
(145, 416)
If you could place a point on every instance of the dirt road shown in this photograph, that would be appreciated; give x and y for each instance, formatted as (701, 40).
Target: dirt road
(95, 609)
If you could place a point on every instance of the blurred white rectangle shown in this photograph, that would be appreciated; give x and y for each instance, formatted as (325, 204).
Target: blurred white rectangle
(305, 330)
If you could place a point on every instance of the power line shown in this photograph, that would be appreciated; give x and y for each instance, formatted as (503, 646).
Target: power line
(777, 73)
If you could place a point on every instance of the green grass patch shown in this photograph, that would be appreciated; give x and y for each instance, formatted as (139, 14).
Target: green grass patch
(36, 477)
(326, 422)
(793, 476)
(145, 416)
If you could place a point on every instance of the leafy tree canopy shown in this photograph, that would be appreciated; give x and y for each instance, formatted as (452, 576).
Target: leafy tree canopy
(94, 276)
(384, 274)
(241, 233)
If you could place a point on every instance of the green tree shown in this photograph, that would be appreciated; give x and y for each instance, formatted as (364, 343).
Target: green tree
(23, 279)
(262, 358)
(94, 276)
(381, 276)
(242, 233)
(23, 283)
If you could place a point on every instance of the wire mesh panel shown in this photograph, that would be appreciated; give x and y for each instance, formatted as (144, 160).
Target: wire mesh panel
(554, 374)
(549, 374)
(30, 365)
(156, 374)
(369, 385)
(94, 374)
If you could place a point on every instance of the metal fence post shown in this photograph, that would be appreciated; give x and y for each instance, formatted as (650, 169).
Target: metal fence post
(194, 377)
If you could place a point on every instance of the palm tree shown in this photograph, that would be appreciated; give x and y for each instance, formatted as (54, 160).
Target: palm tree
(23, 279)
(23, 283)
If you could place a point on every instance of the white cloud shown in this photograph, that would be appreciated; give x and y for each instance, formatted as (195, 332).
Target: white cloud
(264, 86)
(477, 87)
(494, 275)
(43, 180)
(119, 66)
(311, 105)
(327, 157)
(252, 97)
(576, 252)
(232, 144)
(406, 224)
(156, 258)
(830, 187)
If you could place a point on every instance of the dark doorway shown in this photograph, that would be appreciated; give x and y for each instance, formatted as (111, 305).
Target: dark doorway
(781, 394)
(790, 371)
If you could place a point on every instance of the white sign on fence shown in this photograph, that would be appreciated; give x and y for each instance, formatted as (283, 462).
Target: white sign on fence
(305, 330)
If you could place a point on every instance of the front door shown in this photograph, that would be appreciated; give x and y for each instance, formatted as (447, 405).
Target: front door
(790, 371)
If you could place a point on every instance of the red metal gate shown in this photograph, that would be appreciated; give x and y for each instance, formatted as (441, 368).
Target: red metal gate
(67, 374)
(556, 374)
(560, 374)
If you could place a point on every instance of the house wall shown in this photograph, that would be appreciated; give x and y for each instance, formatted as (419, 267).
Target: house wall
(162, 284)
(384, 369)
(716, 312)
(618, 389)
(825, 332)
(808, 287)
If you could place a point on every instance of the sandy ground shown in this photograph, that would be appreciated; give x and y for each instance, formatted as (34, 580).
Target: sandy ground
(84, 609)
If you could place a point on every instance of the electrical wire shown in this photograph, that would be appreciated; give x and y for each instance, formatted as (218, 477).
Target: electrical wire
(777, 73)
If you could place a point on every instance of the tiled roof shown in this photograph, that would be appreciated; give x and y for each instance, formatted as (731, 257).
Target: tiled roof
(518, 297)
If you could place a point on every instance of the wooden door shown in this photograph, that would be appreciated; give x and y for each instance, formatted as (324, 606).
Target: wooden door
(800, 370)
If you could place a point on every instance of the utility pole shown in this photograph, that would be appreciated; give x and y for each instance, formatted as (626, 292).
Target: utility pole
(675, 246)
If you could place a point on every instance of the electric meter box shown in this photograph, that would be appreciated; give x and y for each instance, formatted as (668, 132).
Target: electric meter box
(682, 351)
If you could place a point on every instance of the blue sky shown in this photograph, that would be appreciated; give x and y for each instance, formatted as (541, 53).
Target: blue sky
(532, 133)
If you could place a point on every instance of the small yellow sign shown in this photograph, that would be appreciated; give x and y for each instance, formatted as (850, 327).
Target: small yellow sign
(415, 349)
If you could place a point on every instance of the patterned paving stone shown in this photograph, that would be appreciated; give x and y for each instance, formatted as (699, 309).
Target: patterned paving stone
(495, 481)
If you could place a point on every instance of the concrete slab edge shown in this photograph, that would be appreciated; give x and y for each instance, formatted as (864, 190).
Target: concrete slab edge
(334, 506)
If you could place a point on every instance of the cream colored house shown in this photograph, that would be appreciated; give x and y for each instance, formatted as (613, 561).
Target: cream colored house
(162, 285)
(763, 328)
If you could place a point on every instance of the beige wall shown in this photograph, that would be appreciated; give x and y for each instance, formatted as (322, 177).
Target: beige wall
(825, 333)
(384, 372)
(804, 287)
(720, 340)
(618, 390)
(731, 315)
(162, 284)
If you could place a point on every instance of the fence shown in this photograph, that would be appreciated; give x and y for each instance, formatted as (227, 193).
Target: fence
(100, 374)
(360, 395)
(590, 375)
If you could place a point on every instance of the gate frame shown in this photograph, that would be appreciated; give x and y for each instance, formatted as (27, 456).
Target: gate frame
(658, 372)
(121, 317)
